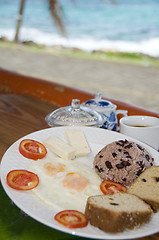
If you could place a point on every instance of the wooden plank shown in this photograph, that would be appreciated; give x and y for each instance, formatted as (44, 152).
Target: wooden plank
(54, 93)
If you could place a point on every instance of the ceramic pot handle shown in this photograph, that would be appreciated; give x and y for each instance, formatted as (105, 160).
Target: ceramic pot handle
(124, 112)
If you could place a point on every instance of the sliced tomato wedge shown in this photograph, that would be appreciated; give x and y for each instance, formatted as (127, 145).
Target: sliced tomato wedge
(110, 187)
(71, 219)
(32, 149)
(22, 179)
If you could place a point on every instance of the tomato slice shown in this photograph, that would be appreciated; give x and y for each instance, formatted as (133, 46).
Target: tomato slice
(32, 149)
(71, 219)
(110, 187)
(22, 179)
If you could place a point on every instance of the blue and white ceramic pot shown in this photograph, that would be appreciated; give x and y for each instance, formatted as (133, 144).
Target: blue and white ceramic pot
(107, 110)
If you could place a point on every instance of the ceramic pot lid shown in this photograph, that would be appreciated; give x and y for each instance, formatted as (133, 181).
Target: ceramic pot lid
(99, 104)
(73, 115)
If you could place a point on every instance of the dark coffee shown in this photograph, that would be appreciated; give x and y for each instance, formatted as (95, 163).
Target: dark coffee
(131, 125)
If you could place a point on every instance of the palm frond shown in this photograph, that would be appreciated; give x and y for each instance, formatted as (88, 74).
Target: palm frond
(56, 15)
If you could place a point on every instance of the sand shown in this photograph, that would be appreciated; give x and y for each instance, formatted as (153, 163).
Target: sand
(133, 84)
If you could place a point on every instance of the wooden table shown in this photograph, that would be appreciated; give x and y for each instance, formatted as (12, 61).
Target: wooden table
(24, 103)
(20, 115)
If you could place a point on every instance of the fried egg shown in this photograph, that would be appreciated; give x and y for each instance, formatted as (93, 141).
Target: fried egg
(65, 184)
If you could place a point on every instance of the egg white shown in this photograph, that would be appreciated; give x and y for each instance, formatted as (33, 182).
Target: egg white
(51, 189)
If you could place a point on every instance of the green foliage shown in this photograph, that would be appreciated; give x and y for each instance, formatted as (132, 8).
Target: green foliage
(16, 225)
(119, 57)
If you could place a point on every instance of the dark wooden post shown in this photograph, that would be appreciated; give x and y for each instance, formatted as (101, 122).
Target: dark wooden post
(19, 20)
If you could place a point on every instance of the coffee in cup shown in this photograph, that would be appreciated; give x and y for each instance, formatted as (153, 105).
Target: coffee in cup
(143, 128)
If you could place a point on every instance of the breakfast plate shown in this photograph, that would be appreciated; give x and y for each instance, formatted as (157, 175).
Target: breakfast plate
(35, 208)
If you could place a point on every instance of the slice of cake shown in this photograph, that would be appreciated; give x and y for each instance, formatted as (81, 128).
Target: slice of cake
(113, 213)
(146, 186)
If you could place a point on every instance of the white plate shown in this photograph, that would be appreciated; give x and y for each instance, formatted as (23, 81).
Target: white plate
(26, 201)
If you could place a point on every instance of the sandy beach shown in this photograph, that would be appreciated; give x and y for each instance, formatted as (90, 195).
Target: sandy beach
(135, 84)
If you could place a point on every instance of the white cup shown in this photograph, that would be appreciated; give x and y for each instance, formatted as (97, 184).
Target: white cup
(142, 128)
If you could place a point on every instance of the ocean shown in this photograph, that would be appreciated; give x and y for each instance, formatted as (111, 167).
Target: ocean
(117, 25)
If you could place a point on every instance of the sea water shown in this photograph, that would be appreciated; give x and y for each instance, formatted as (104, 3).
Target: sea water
(118, 25)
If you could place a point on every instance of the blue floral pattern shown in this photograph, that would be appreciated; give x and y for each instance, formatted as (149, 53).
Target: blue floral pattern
(99, 104)
(110, 122)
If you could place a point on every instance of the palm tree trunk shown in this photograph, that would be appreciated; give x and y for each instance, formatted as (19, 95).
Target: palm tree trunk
(19, 20)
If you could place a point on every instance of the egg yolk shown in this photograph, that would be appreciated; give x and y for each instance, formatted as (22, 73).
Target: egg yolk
(52, 170)
(75, 181)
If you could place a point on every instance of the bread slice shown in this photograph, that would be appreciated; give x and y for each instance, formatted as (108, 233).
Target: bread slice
(146, 186)
(113, 213)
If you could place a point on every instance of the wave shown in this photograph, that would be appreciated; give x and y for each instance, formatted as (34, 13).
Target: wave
(86, 43)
